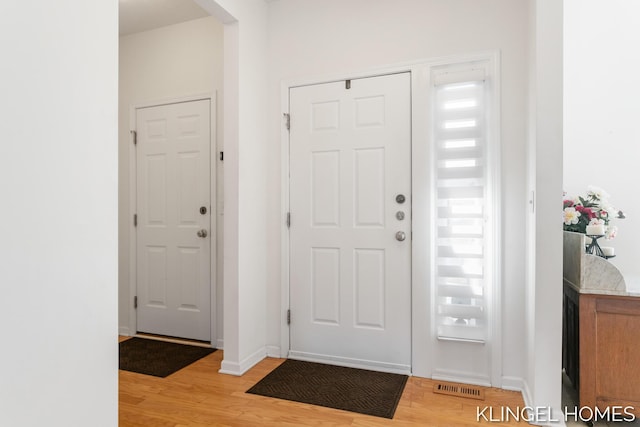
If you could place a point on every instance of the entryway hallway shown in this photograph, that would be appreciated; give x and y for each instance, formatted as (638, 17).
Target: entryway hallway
(199, 396)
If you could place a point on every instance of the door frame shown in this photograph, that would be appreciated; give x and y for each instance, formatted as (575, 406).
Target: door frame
(213, 219)
(421, 245)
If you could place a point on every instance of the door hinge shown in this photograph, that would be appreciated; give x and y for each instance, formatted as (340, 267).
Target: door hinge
(135, 301)
(287, 120)
(135, 220)
(289, 317)
(135, 137)
(288, 219)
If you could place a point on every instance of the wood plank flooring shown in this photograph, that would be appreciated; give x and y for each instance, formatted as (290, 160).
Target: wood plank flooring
(199, 396)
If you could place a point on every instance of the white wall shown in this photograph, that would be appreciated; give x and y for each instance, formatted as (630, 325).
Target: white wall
(58, 220)
(601, 133)
(331, 37)
(544, 237)
(158, 65)
(246, 245)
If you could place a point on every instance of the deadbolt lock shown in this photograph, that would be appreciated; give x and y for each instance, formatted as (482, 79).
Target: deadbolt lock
(400, 198)
(203, 210)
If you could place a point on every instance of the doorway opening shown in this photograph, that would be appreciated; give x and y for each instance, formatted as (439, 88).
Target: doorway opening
(168, 62)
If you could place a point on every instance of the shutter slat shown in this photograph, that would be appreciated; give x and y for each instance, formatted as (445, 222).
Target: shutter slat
(455, 271)
(449, 252)
(461, 173)
(460, 153)
(461, 332)
(459, 132)
(457, 291)
(447, 213)
(461, 311)
(461, 193)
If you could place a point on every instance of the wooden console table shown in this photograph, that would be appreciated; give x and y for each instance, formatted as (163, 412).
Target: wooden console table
(601, 348)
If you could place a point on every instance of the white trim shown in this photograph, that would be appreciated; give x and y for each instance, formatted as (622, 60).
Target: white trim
(174, 340)
(133, 260)
(520, 385)
(174, 100)
(239, 369)
(402, 67)
(421, 298)
(526, 394)
(273, 351)
(529, 403)
(284, 229)
(420, 79)
(124, 331)
(493, 374)
(513, 384)
(213, 217)
(220, 344)
(495, 155)
(464, 377)
(285, 206)
(351, 363)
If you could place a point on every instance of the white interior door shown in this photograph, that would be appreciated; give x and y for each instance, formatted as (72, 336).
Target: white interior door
(174, 220)
(350, 235)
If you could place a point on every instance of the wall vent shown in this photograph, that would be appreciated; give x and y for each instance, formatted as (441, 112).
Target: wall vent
(460, 390)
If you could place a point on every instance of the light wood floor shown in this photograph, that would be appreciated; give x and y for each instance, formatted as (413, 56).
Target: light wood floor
(199, 396)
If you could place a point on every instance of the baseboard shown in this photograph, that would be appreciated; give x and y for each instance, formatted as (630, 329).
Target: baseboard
(461, 377)
(513, 384)
(220, 344)
(124, 331)
(273, 351)
(556, 413)
(239, 368)
(351, 363)
(526, 394)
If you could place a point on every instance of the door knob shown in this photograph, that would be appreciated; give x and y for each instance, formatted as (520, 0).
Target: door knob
(400, 236)
(202, 233)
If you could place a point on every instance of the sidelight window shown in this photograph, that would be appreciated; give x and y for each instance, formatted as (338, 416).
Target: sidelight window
(463, 201)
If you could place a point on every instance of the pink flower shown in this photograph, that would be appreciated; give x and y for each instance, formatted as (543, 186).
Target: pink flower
(589, 212)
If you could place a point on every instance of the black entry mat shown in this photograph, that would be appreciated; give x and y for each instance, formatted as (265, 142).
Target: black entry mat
(158, 358)
(349, 389)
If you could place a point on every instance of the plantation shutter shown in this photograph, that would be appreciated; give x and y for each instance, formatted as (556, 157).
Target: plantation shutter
(461, 256)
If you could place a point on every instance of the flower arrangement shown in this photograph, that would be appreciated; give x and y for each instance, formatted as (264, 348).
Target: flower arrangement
(591, 210)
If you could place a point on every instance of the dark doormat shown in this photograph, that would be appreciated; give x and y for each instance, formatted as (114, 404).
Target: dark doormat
(158, 358)
(349, 389)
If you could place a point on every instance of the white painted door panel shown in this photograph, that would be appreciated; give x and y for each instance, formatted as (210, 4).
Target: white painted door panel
(350, 288)
(173, 183)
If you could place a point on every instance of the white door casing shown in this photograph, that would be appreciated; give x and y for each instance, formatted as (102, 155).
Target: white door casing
(173, 277)
(350, 276)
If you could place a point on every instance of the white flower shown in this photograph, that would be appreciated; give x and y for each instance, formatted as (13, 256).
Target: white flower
(596, 221)
(597, 193)
(611, 211)
(612, 230)
(571, 216)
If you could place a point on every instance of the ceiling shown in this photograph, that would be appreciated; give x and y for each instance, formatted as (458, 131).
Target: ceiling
(143, 15)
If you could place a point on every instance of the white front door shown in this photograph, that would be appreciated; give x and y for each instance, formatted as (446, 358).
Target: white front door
(350, 235)
(174, 231)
